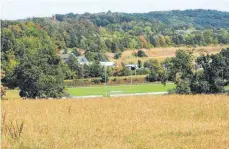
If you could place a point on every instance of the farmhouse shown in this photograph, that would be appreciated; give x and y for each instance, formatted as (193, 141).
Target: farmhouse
(82, 60)
(132, 66)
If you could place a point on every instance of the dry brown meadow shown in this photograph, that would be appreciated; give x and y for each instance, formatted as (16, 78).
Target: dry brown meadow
(142, 122)
(163, 53)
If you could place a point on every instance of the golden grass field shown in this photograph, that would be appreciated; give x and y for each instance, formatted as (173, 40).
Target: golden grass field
(163, 53)
(140, 122)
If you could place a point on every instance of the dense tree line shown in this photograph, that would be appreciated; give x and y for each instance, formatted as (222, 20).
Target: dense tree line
(115, 32)
(30, 62)
(30, 48)
(204, 74)
(191, 74)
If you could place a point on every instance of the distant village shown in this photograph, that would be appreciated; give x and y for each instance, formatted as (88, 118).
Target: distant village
(82, 60)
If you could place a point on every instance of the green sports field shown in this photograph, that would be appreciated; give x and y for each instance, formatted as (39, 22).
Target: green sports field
(121, 89)
(102, 90)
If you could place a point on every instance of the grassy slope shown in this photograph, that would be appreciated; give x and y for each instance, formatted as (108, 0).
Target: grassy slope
(12, 94)
(174, 121)
(162, 53)
(102, 90)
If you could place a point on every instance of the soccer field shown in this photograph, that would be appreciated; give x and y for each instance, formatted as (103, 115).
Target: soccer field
(121, 89)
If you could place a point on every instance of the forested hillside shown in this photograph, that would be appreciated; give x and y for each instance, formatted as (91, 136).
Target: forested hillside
(30, 46)
(115, 32)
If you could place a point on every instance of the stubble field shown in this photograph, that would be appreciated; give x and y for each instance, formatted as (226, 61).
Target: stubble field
(142, 122)
(162, 53)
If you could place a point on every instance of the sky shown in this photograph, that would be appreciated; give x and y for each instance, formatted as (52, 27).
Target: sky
(21, 9)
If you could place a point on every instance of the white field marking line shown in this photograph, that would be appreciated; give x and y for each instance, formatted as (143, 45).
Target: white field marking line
(91, 96)
(118, 95)
(139, 94)
(115, 85)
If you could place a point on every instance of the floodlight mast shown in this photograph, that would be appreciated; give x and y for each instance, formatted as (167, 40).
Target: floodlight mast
(83, 73)
(105, 67)
(135, 70)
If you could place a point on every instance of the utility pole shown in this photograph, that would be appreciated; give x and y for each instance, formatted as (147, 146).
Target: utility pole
(83, 73)
(135, 69)
(105, 69)
(131, 76)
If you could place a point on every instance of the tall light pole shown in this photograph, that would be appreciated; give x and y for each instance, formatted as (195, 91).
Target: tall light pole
(105, 71)
(131, 76)
(135, 69)
(83, 73)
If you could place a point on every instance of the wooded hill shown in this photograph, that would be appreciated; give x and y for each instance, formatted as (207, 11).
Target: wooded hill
(30, 47)
(115, 32)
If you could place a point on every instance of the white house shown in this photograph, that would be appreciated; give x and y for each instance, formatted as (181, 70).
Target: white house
(132, 66)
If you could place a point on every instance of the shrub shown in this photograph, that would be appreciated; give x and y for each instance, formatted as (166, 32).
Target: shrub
(118, 55)
(183, 87)
(141, 53)
(76, 52)
(142, 71)
(104, 78)
(95, 81)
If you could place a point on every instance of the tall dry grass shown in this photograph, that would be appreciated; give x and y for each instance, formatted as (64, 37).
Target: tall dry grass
(145, 122)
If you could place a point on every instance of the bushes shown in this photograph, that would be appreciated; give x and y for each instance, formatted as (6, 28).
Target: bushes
(117, 55)
(183, 87)
(104, 78)
(153, 76)
(141, 53)
(142, 71)
(96, 81)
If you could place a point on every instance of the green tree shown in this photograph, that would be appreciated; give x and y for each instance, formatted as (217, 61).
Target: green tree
(105, 77)
(180, 70)
(40, 75)
(118, 55)
(183, 87)
(215, 72)
(181, 64)
(156, 70)
(95, 69)
(141, 53)
(139, 64)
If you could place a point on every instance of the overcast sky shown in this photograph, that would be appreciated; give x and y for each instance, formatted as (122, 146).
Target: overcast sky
(20, 9)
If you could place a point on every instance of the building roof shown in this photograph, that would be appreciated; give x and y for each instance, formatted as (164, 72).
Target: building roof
(82, 59)
(131, 65)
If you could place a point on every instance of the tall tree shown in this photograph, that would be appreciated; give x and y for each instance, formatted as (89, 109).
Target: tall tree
(40, 75)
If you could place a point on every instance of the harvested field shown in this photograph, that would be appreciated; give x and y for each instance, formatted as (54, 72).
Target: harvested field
(162, 53)
(169, 121)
